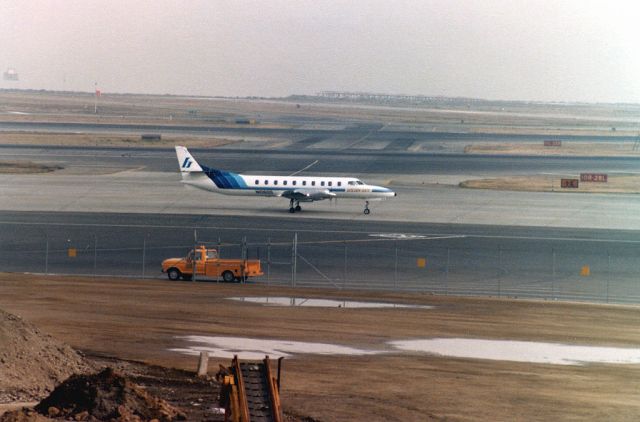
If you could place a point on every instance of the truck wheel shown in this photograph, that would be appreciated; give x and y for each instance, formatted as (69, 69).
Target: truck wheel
(228, 276)
(173, 274)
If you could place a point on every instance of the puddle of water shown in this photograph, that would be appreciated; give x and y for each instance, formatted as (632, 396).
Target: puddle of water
(249, 348)
(322, 303)
(521, 351)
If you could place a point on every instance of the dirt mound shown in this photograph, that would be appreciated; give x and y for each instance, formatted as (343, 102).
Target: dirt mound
(23, 416)
(32, 363)
(105, 396)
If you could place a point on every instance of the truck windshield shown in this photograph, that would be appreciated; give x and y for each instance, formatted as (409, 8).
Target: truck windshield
(212, 254)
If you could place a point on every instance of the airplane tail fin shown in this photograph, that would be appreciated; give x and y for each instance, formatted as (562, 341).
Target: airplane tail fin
(187, 163)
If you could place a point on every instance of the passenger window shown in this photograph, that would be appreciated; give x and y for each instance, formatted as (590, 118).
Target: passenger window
(339, 183)
(257, 182)
(313, 183)
(330, 183)
(266, 182)
(294, 183)
(304, 183)
(322, 183)
(284, 183)
(275, 182)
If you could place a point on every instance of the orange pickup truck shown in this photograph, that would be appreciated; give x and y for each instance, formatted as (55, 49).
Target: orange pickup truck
(209, 265)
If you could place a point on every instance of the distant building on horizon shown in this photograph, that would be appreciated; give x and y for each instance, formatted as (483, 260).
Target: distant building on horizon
(11, 75)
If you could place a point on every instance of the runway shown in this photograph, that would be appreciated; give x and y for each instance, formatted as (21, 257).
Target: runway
(318, 132)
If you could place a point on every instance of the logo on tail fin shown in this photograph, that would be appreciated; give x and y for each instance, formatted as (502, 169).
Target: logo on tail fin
(187, 163)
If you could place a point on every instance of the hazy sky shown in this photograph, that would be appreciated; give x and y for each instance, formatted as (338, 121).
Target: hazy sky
(573, 50)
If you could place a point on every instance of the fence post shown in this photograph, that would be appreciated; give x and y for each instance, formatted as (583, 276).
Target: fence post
(344, 269)
(46, 255)
(446, 273)
(219, 258)
(553, 273)
(195, 250)
(144, 251)
(608, 273)
(395, 267)
(95, 255)
(268, 261)
(294, 259)
(499, 271)
(244, 259)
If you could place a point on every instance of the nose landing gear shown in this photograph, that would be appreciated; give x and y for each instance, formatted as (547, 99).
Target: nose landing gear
(366, 208)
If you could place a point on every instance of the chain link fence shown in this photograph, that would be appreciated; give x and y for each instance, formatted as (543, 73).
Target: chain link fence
(584, 270)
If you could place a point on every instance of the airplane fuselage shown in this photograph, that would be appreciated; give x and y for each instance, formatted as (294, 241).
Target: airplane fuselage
(228, 183)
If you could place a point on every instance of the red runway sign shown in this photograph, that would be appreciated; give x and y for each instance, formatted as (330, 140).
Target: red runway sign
(569, 183)
(593, 177)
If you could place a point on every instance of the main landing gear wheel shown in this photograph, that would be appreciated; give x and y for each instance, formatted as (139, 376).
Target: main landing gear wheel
(297, 207)
(366, 208)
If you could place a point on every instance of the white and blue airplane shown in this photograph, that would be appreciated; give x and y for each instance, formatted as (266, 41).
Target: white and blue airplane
(295, 188)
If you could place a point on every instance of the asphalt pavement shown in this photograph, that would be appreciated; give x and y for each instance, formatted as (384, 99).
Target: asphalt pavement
(574, 264)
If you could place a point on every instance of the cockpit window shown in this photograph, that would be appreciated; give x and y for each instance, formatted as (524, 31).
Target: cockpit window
(355, 182)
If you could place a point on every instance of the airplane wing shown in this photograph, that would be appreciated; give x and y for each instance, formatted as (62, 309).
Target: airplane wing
(308, 195)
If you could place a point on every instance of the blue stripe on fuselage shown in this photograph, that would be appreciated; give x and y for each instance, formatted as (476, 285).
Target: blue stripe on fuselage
(228, 180)
(225, 179)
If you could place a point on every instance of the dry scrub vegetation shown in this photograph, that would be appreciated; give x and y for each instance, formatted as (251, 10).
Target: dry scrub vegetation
(549, 183)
